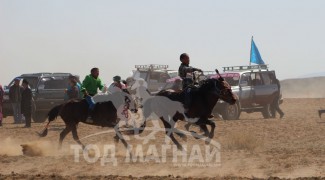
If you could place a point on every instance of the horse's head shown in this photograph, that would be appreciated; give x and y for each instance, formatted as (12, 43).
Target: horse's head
(220, 88)
(224, 91)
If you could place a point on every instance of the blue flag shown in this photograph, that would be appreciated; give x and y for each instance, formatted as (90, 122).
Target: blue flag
(255, 54)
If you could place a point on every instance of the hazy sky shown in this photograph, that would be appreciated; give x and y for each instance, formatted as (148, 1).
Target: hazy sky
(76, 35)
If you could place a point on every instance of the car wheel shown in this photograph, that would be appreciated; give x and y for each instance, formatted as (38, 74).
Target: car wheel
(231, 112)
(266, 112)
(39, 117)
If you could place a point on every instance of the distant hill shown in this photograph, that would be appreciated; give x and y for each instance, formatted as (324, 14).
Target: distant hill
(318, 74)
(311, 87)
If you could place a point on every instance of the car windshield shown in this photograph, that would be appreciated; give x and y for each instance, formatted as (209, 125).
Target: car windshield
(232, 81)
(53, 83)
(31, 80)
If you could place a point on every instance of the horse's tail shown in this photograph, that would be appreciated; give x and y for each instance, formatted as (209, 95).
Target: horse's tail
(52, 115)
(54, 112)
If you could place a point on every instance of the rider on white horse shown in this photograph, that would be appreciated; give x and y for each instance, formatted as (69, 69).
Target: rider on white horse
(117, 86)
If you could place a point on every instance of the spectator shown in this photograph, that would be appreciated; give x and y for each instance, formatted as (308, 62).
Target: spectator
(73, 90)
(92, 82)
(275, 106)
(15, 92)
(1, 99)
(26, 103)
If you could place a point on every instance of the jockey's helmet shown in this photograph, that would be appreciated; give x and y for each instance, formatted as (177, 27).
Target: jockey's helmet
(117, 78)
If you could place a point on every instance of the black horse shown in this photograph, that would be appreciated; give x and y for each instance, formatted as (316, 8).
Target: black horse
(203, 100)
(104, 114)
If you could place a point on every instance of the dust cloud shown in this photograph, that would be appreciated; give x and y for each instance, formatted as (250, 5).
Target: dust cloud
(15, 147)
(303, 88)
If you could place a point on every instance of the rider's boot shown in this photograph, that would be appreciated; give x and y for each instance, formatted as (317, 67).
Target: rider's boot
(90, 115)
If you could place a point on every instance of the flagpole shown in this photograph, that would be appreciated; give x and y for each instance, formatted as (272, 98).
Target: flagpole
(250, 54)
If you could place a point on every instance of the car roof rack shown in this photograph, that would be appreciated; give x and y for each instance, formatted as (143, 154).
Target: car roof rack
(46, 74)
(36, 74)
(151, 67)
(245, 68)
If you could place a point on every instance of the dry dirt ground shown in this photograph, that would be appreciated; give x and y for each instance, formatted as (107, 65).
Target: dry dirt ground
(251, 147)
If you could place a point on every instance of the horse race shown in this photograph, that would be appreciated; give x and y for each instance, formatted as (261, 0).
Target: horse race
(162, 89)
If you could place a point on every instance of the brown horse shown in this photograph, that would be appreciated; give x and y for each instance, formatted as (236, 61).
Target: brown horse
(203, 100)
(104, 114)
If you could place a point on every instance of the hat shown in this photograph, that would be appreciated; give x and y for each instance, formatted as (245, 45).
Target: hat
(117, 78)
(17, 79)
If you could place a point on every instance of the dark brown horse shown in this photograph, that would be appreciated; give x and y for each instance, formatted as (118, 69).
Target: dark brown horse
(203, 100)
(104, 114)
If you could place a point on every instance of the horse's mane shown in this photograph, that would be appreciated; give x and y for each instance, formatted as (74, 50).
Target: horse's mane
(220, 83)
(175, 96)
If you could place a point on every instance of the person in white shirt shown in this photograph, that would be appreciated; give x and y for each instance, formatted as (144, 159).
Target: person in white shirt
(116, 86)
(122, 111)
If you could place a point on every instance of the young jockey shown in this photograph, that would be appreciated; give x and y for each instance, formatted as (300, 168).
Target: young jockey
(116, 86)
(92, 82)
(122, 111)
(91, 103)
(185, 72)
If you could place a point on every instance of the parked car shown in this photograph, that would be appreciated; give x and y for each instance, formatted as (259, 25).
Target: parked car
(48, 91)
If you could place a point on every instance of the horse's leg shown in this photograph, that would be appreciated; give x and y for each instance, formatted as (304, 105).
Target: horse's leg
(75, 136)
(213, 126)
(206, 131)
(64, 133)
(178, 132)
(169, 132)
(204, 128)
(120, 136)
(200, 122)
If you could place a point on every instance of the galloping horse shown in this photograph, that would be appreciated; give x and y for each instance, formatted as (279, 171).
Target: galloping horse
(203, 100)
(104, 114)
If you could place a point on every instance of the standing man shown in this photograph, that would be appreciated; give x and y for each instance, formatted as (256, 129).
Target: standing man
(26, 103)
(92, 82)
(275, 106)
(15, 99)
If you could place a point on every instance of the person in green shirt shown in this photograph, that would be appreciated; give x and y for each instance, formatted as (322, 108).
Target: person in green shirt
(92, 82)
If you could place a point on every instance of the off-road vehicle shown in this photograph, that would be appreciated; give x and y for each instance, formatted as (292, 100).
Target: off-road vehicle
(255, 88)
(154, 74)
(48, 91)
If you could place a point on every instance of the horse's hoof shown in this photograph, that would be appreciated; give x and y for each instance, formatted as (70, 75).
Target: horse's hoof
(180, 147)
(207, 141)
(187, 126)
(116, 139)
(184, 137)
